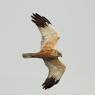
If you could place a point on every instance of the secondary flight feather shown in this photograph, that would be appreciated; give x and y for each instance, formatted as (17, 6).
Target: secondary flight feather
(48, 51)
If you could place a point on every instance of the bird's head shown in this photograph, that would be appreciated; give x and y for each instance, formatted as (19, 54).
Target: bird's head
(59, 54)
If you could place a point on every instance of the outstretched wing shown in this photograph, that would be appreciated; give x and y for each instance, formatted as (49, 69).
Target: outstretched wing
(49, 34)
(56, 70)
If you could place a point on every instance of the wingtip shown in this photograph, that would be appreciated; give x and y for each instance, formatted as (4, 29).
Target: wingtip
(49, 82)
(39, 20)
(35, 15)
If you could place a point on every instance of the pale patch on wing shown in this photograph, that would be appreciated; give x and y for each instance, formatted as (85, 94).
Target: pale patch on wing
(56, 68)
(49, 37)
(49, 34)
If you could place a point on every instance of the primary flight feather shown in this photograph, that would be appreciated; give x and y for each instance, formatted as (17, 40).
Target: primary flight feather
(48, 51)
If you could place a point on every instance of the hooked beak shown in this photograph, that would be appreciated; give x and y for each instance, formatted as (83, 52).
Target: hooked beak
(60, 54)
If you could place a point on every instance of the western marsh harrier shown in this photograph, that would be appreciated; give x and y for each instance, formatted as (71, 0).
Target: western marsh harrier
(48, 51)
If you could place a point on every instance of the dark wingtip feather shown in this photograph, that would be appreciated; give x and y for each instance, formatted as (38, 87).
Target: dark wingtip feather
(40, 21)
(49, 82)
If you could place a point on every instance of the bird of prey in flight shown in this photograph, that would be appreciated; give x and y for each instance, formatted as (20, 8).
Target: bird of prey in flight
(48, 51)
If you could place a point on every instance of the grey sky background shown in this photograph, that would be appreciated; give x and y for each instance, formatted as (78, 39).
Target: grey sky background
(74, 19)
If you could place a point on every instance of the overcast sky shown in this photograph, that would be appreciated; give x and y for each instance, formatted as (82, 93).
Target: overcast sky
(74, 19)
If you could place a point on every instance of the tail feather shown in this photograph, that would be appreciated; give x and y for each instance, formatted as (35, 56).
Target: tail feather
(28, 55)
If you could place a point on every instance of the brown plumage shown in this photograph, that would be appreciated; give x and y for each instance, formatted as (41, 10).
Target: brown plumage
(48, 51)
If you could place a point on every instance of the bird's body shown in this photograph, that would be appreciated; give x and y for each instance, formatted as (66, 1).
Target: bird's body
(48, 51)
